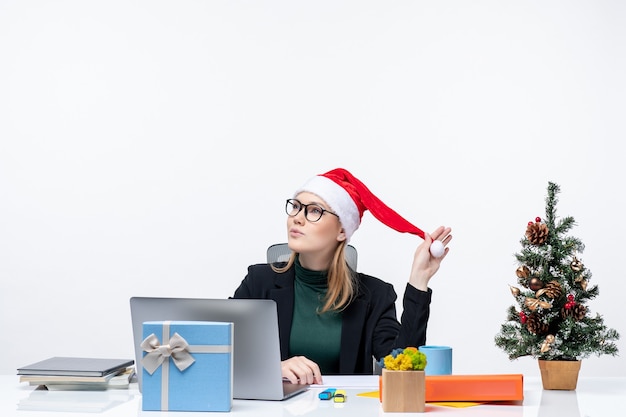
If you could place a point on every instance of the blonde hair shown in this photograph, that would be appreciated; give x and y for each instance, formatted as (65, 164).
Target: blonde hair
(341, 281)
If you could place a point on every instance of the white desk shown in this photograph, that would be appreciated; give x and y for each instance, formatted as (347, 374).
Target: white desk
(594, 397)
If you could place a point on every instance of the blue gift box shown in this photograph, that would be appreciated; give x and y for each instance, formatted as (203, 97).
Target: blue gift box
(187, 366)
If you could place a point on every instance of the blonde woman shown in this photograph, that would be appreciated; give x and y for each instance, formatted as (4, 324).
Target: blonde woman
(333, 320)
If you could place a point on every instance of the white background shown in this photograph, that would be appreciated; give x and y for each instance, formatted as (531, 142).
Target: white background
(147, 147)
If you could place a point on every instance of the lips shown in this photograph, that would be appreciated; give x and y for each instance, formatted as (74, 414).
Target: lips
(295, 232)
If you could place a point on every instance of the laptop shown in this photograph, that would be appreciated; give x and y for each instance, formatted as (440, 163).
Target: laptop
(257, 371)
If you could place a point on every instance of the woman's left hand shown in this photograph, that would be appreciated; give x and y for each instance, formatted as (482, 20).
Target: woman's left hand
(425, 265)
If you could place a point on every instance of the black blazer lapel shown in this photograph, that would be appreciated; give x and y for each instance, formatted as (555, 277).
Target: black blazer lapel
(284, 297)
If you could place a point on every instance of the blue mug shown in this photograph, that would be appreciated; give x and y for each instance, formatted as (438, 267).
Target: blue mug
(438, 359)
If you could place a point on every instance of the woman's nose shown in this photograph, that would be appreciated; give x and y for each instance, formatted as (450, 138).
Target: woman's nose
(300, 218)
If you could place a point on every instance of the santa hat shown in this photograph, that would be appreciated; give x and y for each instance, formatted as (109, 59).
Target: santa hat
(349, 198)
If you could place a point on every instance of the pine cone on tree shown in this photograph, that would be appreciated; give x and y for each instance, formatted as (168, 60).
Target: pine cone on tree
(553, 289)
(537, 233)
(576, 311)
(535, 325)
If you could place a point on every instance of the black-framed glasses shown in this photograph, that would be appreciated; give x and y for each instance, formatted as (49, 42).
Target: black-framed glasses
(312, 212)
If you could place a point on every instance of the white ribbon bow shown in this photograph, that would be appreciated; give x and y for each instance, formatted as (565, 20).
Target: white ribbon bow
(177, 348)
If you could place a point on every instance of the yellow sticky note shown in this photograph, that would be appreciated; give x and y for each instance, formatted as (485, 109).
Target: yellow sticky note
(455, 404)
(371, 394)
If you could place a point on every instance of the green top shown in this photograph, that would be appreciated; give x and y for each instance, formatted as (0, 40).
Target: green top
(316, 336)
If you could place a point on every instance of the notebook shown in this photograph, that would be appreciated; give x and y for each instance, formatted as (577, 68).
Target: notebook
(257, 372)
(72, 366)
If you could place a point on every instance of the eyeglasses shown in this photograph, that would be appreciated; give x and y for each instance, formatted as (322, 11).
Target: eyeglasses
(312, 212)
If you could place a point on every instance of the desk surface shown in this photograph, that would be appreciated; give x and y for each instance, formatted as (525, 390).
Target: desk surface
(601, 397)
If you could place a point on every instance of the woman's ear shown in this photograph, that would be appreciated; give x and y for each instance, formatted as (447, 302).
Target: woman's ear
(342, 235)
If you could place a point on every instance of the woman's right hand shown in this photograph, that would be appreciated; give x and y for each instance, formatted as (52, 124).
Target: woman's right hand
(301, 370)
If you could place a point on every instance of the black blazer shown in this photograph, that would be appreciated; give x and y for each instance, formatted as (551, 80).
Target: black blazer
(370, 326)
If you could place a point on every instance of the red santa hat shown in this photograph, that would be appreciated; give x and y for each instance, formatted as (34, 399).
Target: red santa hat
(348, 197)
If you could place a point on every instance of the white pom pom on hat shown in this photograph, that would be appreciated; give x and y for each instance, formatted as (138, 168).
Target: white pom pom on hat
(349, 198)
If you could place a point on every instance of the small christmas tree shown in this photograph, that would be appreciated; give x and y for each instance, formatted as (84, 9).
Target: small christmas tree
(551, 320)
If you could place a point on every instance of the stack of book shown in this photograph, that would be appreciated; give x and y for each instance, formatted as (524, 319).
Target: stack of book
(72, 373)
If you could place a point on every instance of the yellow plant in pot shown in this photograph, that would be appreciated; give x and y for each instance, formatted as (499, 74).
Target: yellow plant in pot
(551, 320)
(403, 382)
